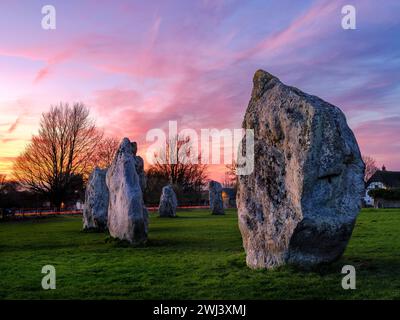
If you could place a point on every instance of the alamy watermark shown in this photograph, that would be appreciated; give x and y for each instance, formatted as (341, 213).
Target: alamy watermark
(349, 280)
(49, 18)
(349, 18)
(204, 147)
(49, 280)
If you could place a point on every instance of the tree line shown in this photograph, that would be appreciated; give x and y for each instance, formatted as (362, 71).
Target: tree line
(56, 164)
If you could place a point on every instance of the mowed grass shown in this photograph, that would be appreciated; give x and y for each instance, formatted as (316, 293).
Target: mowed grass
(194, 256)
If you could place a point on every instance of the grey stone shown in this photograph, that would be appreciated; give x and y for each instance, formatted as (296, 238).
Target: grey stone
(95, 210)
(139, 165)
(127, 214)
(216, 202)
(300, 204)
(168, 202)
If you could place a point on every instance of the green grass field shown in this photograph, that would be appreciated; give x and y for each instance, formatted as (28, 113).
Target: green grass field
(194, 256)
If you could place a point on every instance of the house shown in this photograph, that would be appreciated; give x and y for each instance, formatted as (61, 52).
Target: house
(381, 179)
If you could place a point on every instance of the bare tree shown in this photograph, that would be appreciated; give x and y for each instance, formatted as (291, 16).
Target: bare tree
(231, 175)
(105, 152)
(155, 181)
(370, 167)
(177, 163)
(2, 181)
(60, 154)
(3, 185)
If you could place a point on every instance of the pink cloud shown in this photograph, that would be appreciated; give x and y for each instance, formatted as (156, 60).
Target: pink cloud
(6, 140)
(380, 139)
(304, 29)
(42, 73)
(197, 69)
(50, 55)
(14, 125)
(112, 99)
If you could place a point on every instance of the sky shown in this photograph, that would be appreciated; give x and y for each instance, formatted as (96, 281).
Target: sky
(139, 64)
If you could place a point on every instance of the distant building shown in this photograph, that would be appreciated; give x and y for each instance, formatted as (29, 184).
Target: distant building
(381, 179)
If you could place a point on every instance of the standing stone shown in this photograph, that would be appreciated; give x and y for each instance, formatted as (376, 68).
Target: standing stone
(216, 203)
(127, 215)
(139, 165)
(168, 202)
(95, 211)
(300, 203)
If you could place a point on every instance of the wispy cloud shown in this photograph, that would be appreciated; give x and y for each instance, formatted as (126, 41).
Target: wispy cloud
(380, 138)
(14, 125)
(140, 64)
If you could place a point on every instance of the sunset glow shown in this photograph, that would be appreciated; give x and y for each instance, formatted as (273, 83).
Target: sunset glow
(139, 64)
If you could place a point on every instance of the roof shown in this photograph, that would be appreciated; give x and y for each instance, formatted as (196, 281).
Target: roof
(391, 179)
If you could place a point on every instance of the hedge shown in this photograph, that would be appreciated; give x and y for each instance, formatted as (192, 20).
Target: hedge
(386, 194)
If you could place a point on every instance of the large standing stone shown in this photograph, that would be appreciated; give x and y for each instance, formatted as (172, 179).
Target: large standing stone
(168, 202)
(127, 215)
(300, 203)
(216, 203)
(95, 211)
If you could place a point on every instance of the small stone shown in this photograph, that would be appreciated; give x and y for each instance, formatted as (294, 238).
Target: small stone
(168, 202)
(95, 210)
(216, 202)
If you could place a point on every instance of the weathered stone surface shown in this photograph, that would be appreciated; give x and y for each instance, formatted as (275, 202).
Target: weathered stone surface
(300, 203)
(168, 202)
(95, 210)
(139, 165)
(127, 215)
(215, 192)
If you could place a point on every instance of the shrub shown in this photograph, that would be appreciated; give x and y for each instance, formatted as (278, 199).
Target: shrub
(387, 194)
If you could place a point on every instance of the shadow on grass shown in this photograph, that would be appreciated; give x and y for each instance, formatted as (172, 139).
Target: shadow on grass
(178, 217)
(94, 230)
